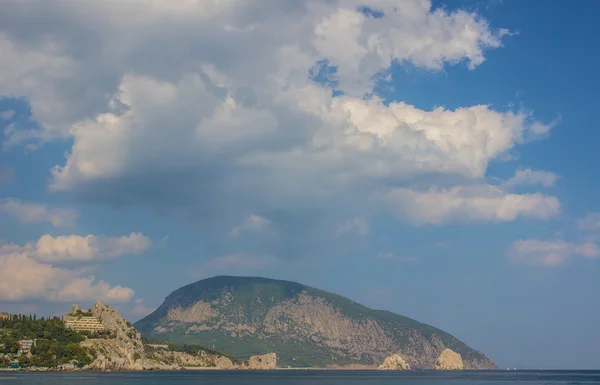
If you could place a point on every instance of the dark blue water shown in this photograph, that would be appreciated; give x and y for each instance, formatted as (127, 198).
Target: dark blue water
(285, 377)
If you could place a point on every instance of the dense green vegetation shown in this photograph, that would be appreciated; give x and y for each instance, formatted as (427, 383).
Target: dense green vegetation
(55, 344)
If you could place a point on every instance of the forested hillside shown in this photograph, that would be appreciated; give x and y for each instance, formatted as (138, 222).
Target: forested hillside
(54, 344)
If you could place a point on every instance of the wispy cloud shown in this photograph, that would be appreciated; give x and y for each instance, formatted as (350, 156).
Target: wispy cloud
(468, 204)
(7, 114)
(591, 222)
(529, 177)
(355, 226)
(38, 213)
(535, 252)
(251, 223)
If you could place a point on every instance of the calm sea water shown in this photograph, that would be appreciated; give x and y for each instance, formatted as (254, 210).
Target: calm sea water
(307, 378)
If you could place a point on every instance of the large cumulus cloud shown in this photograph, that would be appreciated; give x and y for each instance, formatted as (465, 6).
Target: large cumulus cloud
(240, 107)
(24, 277)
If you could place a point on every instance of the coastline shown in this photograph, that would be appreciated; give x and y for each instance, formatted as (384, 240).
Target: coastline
(201, 368)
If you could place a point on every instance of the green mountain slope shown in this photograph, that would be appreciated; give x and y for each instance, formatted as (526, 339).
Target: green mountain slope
(304, 326)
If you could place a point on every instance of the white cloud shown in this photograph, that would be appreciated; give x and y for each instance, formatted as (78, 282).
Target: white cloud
(536, 252)
(354, 226)
(209, 106)
(89, 248)
(26, 274)
(140, 309)
(252, 223)
(84, 288)
(24, 278)
(361, 46)
(529, 177)
(388, 256)
(7, 114)
(38, 213)
(358, 143)
(55, 67)
(468, 204)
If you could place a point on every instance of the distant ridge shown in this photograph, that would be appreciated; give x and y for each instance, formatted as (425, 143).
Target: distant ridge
(303, 325)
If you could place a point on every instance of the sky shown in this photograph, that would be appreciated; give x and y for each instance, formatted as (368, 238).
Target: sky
(436, 159)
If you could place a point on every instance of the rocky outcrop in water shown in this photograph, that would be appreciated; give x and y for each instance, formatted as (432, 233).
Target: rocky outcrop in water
(449, 360)
(394, 362)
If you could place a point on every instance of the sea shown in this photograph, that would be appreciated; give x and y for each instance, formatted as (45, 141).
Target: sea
(305, 377)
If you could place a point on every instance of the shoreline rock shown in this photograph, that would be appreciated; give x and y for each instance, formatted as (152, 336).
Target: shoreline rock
(394, 362)
(263, 362)
(449, 360)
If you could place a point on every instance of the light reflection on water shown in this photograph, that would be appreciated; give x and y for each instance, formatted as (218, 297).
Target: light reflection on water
(307, 377)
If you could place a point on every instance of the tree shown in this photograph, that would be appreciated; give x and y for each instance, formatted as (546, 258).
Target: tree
(11, 345)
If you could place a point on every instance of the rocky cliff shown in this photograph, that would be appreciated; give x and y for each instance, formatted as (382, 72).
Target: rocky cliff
(449, 360)
(123, 349)
(304, 326)
(394, 362)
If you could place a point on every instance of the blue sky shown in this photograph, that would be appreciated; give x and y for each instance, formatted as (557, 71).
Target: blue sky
(459, 189)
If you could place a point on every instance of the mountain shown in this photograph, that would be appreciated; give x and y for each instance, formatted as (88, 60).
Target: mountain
(303, 325)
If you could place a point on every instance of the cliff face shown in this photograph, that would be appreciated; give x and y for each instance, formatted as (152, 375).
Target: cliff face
(303, 325)
(124, 350)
